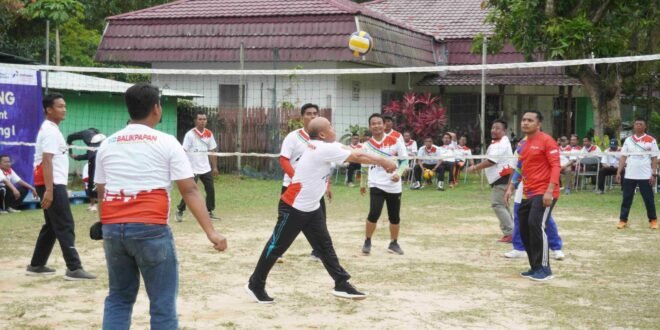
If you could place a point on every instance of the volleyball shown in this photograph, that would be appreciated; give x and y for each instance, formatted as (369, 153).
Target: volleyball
(360, 43)
(428, 174)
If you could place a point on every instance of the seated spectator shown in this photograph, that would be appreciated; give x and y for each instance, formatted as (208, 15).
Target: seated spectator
(353, 167)
(588, 148)
(12, 188)
(609, 164)
(566, 162)
(462, 151)
(448, 153)
(428, 150)
(411, 147)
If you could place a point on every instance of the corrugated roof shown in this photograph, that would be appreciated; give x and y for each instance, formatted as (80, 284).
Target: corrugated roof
(78, 82)
(444, 19)
(531, 79)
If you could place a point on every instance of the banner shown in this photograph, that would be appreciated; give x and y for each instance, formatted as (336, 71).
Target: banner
(21, 114)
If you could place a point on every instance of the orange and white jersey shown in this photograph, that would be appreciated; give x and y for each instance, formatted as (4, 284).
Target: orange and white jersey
(575, 149)
(638, 167)
(611, 160)
(197, 144)
(389, 147)
(425, 152)
(355, 146)
(137, 166)
(462, 152)
(293, 146)
(411, 147)
(396, 134)
(591, 149)
(448, 151)
(51, 141)
(502, 166)
(9, 175)
(310, 182)
(564, 160)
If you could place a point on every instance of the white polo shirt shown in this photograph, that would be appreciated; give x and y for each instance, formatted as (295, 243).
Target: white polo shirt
(51, 141)
(638, 167)
(9, 175)
(293, 146)
(502, 166)
(197, 144)
(389, 147)
(310, 181)
(137, 165)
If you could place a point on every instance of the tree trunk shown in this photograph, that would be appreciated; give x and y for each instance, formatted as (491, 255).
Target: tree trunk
(606, 100)
(57, 45)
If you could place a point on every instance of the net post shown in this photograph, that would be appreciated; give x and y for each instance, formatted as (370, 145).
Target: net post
(483, 99)
(240, 107)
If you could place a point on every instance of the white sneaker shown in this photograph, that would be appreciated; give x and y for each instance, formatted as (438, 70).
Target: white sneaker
(92, 208)
(557, 254)
(3, 212)
(513, 254)
(416, 185)
(441, 185)
(11, 210)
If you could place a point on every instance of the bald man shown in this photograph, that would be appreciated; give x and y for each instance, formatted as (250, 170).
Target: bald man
(300, 210)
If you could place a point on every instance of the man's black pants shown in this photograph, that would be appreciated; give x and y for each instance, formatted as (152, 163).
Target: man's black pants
(352, 168)
(207, 180)
(532, 216)
(645, 189)
(7, 198)
(58, 225)
(290, 223)
(417, 171)
(605, 172)
(448, 166)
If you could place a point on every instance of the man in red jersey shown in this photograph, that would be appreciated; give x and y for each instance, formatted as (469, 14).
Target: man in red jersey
(538, 169)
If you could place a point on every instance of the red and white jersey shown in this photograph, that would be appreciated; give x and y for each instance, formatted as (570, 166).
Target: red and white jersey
(564, 160)
(389, 147)
(9, 175)
(137, 165)
(411, 147)
(355, 146)
(462, 152)
(575, 149)
(293, 146)
(396, 134)
(503, 166)
(310, 182)
(638, 167)
(590, 149)
(448, 151)
(611, 160)
(197, 144)
(51, 141)
(429, 152)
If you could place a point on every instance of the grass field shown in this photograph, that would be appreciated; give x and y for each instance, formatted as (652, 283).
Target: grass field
(453, 274)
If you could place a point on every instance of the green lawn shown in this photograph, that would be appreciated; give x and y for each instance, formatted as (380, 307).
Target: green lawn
(453, 274)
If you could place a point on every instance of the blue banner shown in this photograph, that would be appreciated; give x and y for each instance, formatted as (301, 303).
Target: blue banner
(21, 115)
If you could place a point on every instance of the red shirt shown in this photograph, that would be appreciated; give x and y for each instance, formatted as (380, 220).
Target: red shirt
(539, 165)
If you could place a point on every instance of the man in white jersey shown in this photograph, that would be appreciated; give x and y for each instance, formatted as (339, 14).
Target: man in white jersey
(498, 171)
(135, 168)
(609, 165)
(448, 153)
(640, 172)
(300, 210)
(353, 168)
(51, 174)
(388, 122)
(411, 147)
(462, 152)
(384, 186)
(430, 152)
(12, 188)
(197, 142)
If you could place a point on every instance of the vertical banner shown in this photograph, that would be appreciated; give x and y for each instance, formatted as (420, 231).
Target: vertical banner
(21, 114)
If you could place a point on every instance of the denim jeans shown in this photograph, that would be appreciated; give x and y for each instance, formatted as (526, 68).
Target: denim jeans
(132, 249)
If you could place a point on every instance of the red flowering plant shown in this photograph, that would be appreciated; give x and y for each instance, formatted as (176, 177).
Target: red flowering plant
(422, 114)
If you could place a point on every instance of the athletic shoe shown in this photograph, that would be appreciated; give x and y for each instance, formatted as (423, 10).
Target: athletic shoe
(416, 185)
(506, 239)
(541, 275)
(92, 208)
(178, 215)
(348, 291)
(351, 185)
(653, 224)
(599, 192)
(259, 295)
(557, 254)
(39, 271)
(394, 248)
(622, 225)
(567, 191)
(451, 186)
(78, 275)
(213, 216)
(315, 256)
(441, 185)
(3, 212)
(366, 248)
(11, 210)
(527, 274)
(514, 254)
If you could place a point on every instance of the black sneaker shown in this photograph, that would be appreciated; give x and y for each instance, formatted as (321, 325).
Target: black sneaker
(259, 295)
(348, 291)
(394, 248)
(527, 274)
(78, 275)
(541, 275)
(366, 248)
(39, 271)
(213, 216)
(315, 256)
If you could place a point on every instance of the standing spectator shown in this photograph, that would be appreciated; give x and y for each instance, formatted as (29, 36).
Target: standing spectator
(448, 153)
(134, 174)
(51, 174)
(567, 164)
(609, 165)
(12, 188)
(498, 171)
(388, 121)
(462, 152)
(90, 157)
(353, 167)
(640, 172)
(430, 151)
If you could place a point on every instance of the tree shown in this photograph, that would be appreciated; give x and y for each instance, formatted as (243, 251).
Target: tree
(421, 114)
(568, 29)
(56, 11)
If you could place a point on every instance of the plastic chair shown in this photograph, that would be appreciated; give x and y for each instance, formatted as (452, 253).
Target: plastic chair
(583, 173)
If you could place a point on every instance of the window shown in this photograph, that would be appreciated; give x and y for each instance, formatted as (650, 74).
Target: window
(229, 96)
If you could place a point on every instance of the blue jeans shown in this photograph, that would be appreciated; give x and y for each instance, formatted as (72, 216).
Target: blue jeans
(132, 249)
(554, 241)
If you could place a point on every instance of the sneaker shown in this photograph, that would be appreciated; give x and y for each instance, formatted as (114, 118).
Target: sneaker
(259, 295)
(416, 185)
(3, 212)
(653, 224)
(506, 239)
(567, 191)
(213, 216)
(557, 254)
(11, 210)
(78, 275)
(622, 225)
(541, 275)
(527, 274)
(451, 186)
(351, 185)
(441, 185)
(366, 248)
(315, 256)
(179, 216)
(39, 270)
(394, 248)
(514, 254)
(348, 291)
(92, 208)
(599, 192)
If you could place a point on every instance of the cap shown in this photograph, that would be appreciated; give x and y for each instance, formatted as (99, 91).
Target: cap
(614, 143)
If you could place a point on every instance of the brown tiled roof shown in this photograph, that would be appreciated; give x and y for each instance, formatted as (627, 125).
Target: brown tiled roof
(444, 19)
(524, 78)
